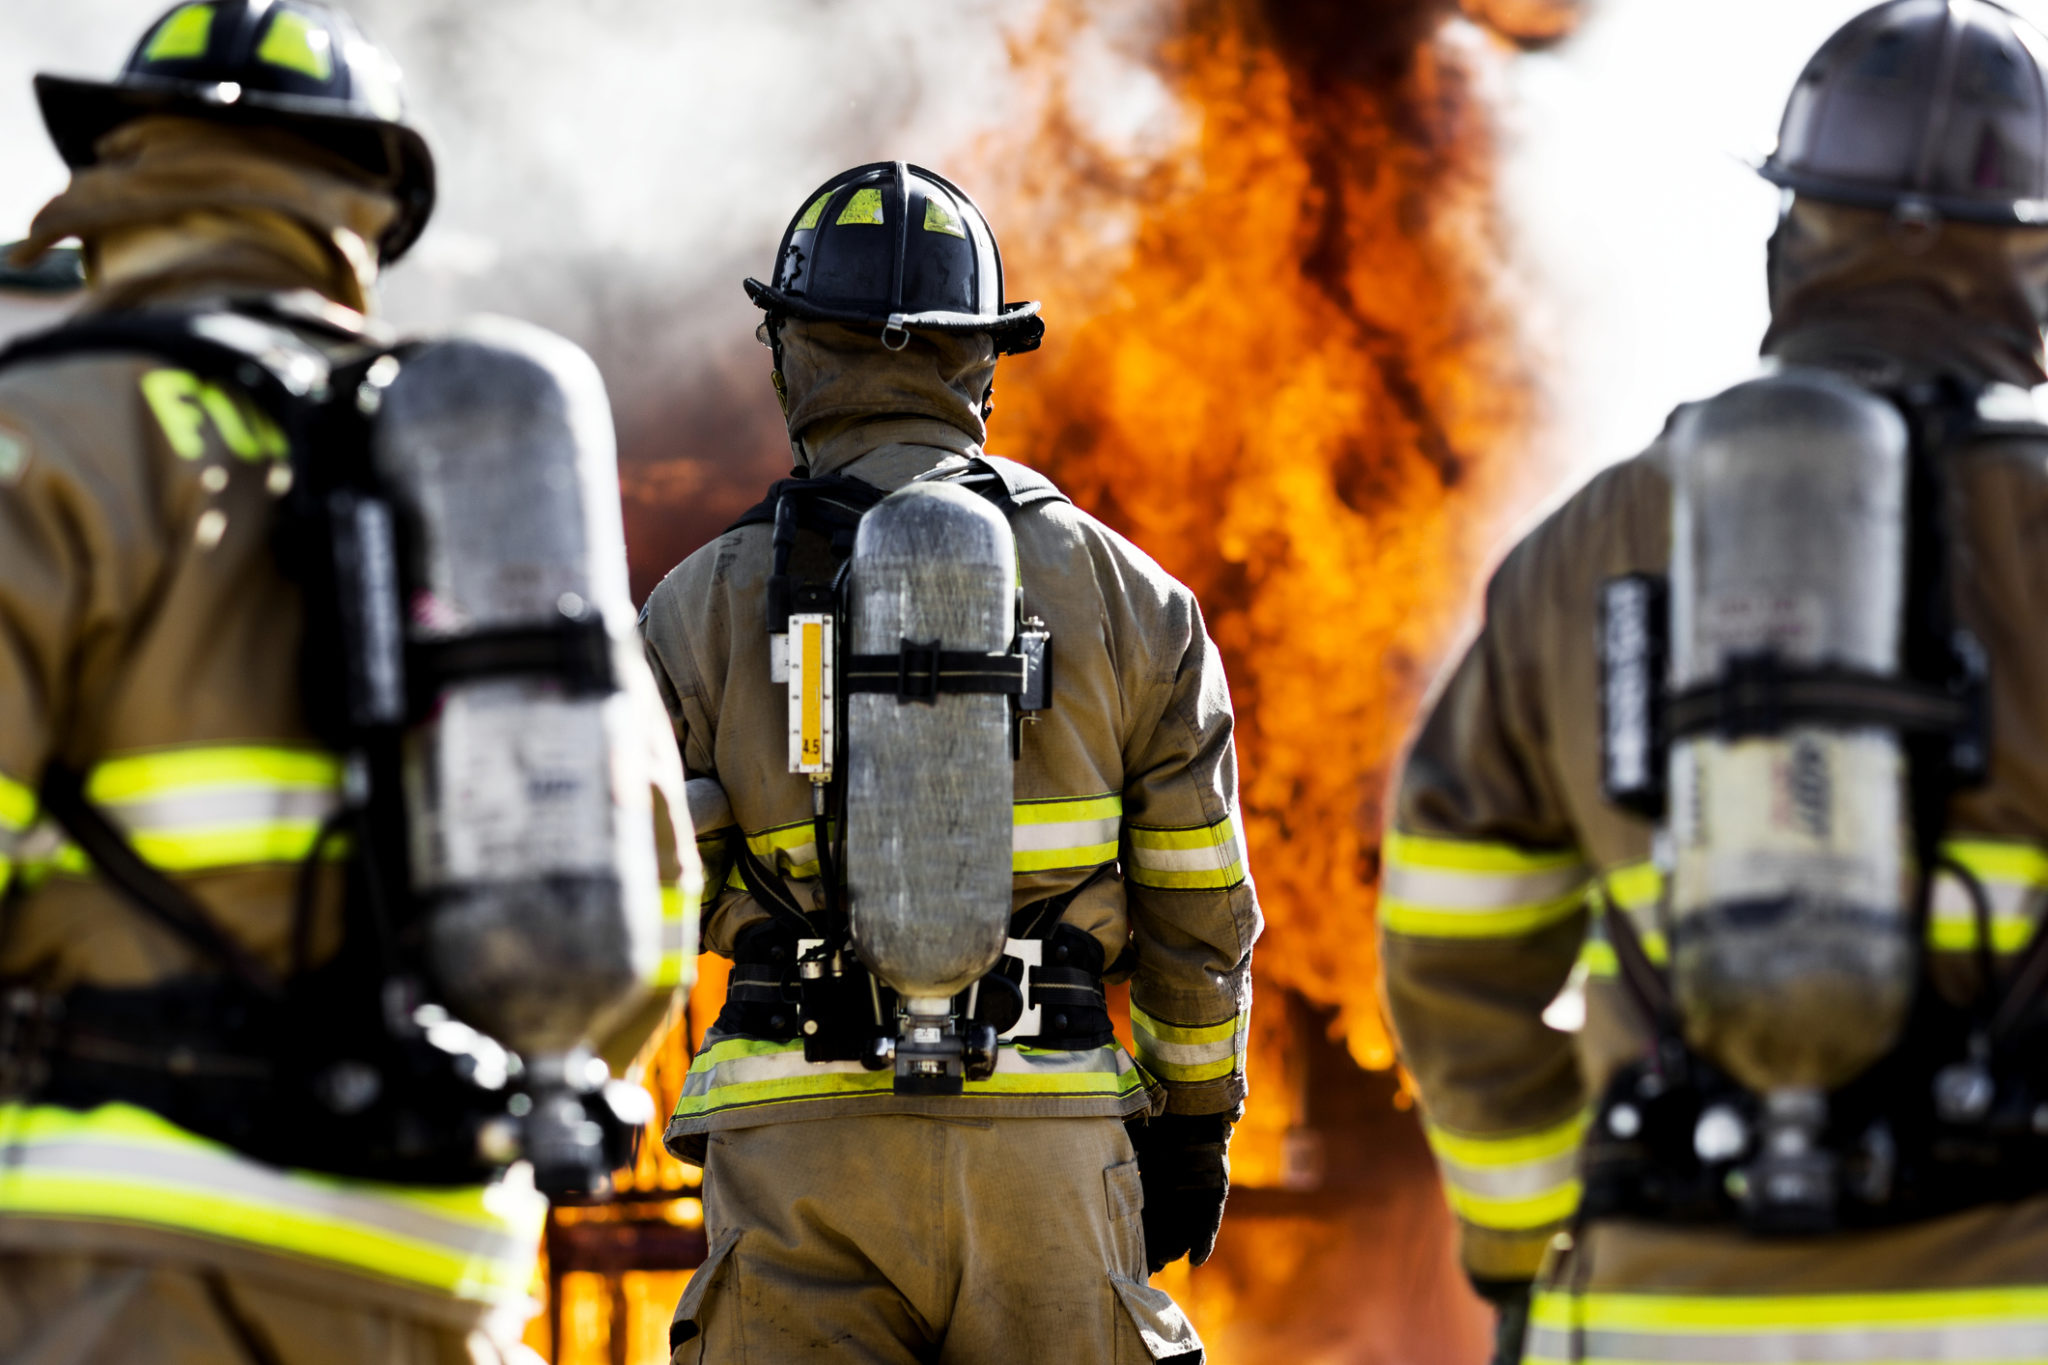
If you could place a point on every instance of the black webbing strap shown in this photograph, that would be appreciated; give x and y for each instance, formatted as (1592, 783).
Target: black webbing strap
(578, 652)
(1759, 697)
(833, 502)
(770, 894)
(163, 900)
(920, 671)
(261, 354)
(1041, 917)
(1644, 983)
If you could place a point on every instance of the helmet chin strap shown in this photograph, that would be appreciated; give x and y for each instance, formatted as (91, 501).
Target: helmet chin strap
(769, 334)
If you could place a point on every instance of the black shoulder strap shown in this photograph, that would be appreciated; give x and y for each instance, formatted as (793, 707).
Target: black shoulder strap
(1009, 485)
(280, 368)
(833, 502)
(829, 502)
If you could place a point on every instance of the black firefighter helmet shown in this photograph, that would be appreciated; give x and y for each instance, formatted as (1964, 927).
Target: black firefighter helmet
(895, 246)
(297, 65)
(1926, 107)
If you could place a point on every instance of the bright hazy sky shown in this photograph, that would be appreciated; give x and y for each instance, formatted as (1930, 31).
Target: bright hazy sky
(1641, 233)
(1640, 224)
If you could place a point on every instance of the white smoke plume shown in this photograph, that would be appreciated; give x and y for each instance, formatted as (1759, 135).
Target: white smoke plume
(611, 169)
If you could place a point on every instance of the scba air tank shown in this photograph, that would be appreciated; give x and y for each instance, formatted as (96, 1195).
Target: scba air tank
(528, 801)
(1791, 873)
(930, 782)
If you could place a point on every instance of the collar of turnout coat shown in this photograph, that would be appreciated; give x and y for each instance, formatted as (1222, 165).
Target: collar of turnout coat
(179, 198)
(1855, 289)
(836, 378)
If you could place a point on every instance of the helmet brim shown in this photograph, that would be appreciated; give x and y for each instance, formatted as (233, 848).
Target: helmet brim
(79, 113)
(1018, 328)
(2003, 213)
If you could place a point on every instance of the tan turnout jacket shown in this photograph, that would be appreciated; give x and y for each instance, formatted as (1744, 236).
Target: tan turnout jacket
(149, 641)
(1504, 858)
(1132, 767)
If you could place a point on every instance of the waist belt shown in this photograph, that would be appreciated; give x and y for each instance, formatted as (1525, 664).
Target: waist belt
(1929, 1131)
(306, 1085)
(1044, 993)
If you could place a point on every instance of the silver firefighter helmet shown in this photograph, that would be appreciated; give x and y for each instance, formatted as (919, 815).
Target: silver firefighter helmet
(1926, 107)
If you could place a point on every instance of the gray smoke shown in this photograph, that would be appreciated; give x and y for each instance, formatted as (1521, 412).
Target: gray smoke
(611, 169)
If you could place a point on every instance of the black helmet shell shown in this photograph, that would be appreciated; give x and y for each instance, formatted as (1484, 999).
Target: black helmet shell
(896, 246)
(298, 65)
(1939, 106)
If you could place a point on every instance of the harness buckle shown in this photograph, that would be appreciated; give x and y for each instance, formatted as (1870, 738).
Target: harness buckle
(917, 672)
(29, 1023)
(1030, 952)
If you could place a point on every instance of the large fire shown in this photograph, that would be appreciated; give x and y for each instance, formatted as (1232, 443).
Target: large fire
(1283, 358)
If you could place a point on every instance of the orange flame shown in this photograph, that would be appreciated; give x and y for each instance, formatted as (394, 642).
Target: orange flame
(1284, 359)
(1281, 358)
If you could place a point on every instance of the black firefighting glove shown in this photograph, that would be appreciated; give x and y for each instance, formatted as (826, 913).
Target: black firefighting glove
(1184, 1165)
(1510, 1300)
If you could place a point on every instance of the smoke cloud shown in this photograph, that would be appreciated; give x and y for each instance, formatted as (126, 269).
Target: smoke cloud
(611, 169)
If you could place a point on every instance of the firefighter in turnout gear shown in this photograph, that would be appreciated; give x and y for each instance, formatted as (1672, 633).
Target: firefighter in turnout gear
(883, 1178)
(1710, 923)
(222, 1136)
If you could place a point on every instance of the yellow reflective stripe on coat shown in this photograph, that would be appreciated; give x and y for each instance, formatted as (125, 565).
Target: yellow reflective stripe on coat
(714, 854)
(678, 936)
(1955, 1326)
(1596, 954)
(788, 850)
(1456, 888)
(120, 1164)
(195, 809)
(17, 817)
(1186, 1055)
(1202, 858)
(1636, 889)
(18, 806)
(1065, 833)
(2014, 875)
(736, 1073)
(1046, 836)
(1513, 1183)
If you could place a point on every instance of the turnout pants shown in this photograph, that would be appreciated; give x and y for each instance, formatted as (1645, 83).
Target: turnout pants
(892, 1239)
(71, 1309)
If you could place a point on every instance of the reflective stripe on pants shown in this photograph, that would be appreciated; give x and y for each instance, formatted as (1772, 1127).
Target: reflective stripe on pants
(1963, 1327)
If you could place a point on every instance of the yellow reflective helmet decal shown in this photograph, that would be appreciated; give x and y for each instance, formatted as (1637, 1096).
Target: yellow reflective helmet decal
(295, 43)
(185, 34)
(939, 218)
(864, 207)
(813, 213)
